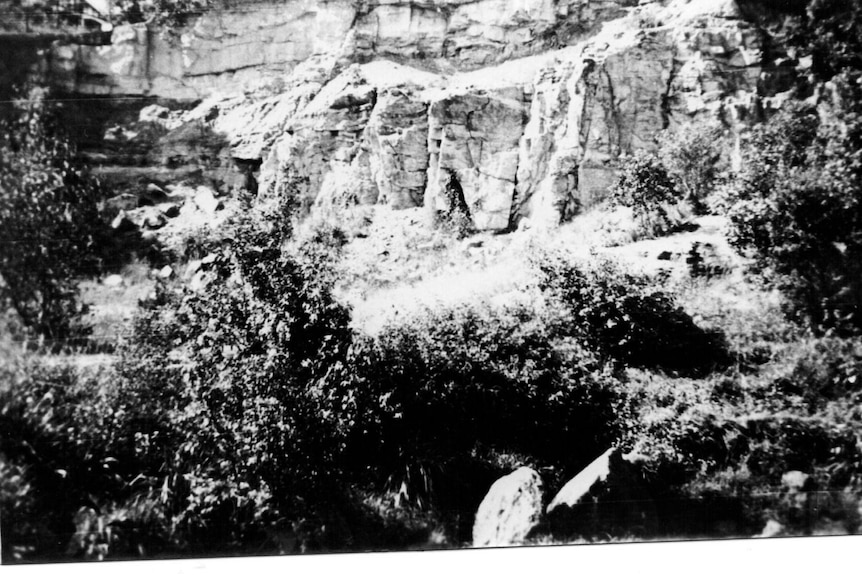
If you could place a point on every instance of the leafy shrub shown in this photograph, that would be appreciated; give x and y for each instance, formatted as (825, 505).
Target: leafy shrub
(693, 158)
(618, 316)
(644, 185)
(830, 32)
(796, 210)
(732, 441)
(50, 223)
(63, 432)
(456, 215)
(257, 345)
(447, 393)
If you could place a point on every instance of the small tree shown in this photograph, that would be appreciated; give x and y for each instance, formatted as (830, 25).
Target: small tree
(796, 209)
(50, 223)
(260, 343)
(692, 157)
(645, 186)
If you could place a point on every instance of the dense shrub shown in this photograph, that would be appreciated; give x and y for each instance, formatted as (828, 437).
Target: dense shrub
(796, 209)
(257, 346)
(67, 447)
(618, 316)
(733, 443)
(831, 32)
(645, 185)
(51, 228)
(693, 157)
(474, 382)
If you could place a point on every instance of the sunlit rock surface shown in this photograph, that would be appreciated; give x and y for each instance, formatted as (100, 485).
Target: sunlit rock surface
(528, 105)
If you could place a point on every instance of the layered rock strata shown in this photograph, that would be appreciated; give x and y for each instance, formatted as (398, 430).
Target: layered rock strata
(524, 107)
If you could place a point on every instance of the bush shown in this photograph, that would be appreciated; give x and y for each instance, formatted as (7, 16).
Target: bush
(67, 448)
(619, 316)
(471, 383)
(257, 346)
(50, 224)
(830, 32)
(733, 441)
(796, 209)
(693, 158)
(644, 185)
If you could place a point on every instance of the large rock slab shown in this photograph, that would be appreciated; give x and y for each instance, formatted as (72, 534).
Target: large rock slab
(606, 497)
(525, 107)
(473, 137)
(511, 510)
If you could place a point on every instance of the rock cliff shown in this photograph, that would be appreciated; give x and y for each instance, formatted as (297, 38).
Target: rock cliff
(522, 106)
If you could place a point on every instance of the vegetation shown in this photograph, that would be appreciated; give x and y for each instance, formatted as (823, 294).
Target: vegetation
(51, 227)
(645, 185)
(246, 413)
(694, 158)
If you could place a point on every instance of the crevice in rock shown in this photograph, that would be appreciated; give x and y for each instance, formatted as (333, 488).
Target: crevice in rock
(665, 106)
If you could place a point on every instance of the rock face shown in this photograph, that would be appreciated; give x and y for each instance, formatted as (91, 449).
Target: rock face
(605, 496)
(510, 511)
(524, 107)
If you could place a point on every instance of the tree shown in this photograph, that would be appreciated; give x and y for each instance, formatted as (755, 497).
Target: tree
(692, 157)
(796, 209)
(645, 186)
(50, 221)
(258, 416)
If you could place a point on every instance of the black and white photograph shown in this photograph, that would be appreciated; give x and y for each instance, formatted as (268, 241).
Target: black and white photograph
(315, 278)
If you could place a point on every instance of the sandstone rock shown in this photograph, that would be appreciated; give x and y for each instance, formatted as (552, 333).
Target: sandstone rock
(510, 511)
(397, 135)
(205, 200)
(122, 202)
(123, 223)
(605, 497)
(472, 139)
(772, 529)
(527, 106)
(113, 280)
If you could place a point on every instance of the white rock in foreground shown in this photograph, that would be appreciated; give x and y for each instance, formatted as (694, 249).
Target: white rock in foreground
(510, 511)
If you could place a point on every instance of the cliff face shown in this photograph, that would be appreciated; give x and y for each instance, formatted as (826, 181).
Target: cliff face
(526, 105)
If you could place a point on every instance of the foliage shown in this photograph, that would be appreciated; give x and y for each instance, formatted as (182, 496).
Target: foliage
(619, 316)
(259, 342)
(456, 216)
(831, 32)
(175, 13)
(462, 383)
(735, 440)
(50, 224)
(693, 158)
(645, 185)
(64, 432)
(797, 210)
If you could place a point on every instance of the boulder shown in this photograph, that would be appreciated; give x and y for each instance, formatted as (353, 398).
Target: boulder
(123, 223)
(510, 511)
(124, 201)
(113, 280)
(206, 201)
(606, 497)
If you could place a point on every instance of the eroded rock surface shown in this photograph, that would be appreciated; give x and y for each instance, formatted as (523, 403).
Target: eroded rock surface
(526, 107)
(511, 510)
(605, 496)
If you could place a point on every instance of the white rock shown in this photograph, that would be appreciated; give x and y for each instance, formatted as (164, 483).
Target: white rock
(113, 280)
(205, 200)
(510, 511)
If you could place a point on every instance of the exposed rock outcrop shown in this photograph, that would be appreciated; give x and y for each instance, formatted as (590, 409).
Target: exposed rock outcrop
(525, 107)
(606, 496)
(511, 510)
